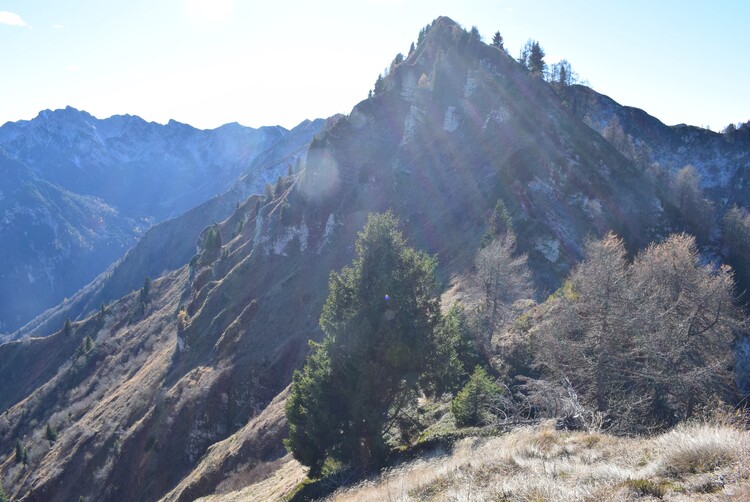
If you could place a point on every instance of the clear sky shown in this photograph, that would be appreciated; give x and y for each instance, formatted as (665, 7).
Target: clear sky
(209, 62)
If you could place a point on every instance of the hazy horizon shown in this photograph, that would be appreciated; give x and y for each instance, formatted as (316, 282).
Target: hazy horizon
(208, 63)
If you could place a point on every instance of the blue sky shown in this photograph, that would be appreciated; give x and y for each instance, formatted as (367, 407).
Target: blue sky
(209, 62)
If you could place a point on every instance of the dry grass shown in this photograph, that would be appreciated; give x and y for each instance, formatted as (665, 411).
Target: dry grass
(284, 480)
(694, 462)
(685, 452)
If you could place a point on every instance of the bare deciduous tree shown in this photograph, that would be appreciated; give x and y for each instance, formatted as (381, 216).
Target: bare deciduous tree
(644, 342)
(502, 278)
(687, 321)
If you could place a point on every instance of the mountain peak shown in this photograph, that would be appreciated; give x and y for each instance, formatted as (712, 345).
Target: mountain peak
(67, 114)
(444, 21)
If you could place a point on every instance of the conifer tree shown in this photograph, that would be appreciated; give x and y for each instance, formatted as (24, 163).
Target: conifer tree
(146, 291)
(20, 452)
(379, 85)
(50, 433)
(379, 320)
(497, 40)
(474, 404)
(536, 59)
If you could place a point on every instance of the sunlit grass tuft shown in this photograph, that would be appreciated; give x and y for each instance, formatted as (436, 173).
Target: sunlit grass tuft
(701, 448)
(540, 463)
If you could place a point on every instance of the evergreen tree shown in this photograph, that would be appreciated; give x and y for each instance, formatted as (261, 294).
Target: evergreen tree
(498, 224)
(146, 291)
(3, 496)
(379, 320)
(312, 410)
(474, 404)
(536, 62)
(422, 34)
(379, 85)
(563, 77)
(454, 355)
(20, 453)
(497, 40)
(213, 241)
(85, 347)
(50, 433)
(67, 329)
(474, 33)
(411, 48)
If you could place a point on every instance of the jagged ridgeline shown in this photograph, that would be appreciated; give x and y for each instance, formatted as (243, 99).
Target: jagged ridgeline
(171, 392)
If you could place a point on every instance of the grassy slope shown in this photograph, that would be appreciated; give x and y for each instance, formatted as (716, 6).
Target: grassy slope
(692, 462)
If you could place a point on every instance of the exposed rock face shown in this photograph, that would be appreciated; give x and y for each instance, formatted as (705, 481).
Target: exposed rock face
(180, 382)
(722, 160)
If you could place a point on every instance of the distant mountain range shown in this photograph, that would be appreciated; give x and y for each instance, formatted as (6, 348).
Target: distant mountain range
(77, 192)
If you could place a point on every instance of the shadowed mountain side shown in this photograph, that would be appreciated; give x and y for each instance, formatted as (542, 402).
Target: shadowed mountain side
(460, 126)
(122, 173)
(51, 239)
(170, 244)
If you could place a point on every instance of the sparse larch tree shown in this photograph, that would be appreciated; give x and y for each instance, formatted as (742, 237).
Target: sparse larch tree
(502, 278)
(645, 343)
(585, 339)
(687, 321)
(697, 213)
